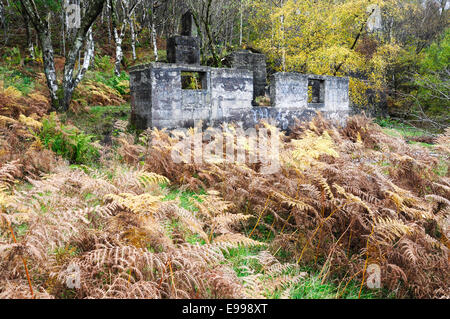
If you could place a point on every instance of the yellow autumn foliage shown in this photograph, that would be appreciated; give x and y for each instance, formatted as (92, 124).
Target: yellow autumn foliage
(310, 148)
(324, 37)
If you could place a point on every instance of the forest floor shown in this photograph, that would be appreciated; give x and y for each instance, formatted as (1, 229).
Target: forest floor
(99, 121)
(90, 209)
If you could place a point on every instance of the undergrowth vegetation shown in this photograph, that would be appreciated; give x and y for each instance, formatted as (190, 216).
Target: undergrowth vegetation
(344, 198)
(67, 141)
(89, 210)
(131, 223)
(101, 86)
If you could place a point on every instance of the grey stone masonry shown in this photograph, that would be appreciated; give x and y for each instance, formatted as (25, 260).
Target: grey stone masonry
(254, 62)
(158, 98)
(183, 49)
(327, 93)
(188, 27)
(177, 95)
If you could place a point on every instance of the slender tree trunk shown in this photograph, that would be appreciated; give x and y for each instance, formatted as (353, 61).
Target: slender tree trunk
(174, 24)
(133, 39)
(283, 49)
(241, 22)
(63, 32)
(70, 84)
(153, 31)
(211, 41)
(88, 56)
(2, 14)
(69, 80)
(49, 65)
(204, 19)
(4, 22)
(108, 20)
(361, 30)
(118, 38)
(29, 33)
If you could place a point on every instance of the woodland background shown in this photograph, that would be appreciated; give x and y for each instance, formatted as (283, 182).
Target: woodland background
(396, 52)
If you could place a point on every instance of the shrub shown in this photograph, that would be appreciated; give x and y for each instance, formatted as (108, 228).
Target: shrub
(18, 80)
(119, 83)
(102, 88)
(67, 141)
(12, 56)
(103, 63)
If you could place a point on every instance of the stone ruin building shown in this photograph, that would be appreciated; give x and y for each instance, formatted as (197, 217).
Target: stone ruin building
(181, 92)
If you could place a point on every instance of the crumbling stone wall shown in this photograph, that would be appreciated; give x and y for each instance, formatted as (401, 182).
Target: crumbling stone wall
(290, 91)
(256, 63)
(159, 100)
(183, 50)
(182, 93)
(232, 94)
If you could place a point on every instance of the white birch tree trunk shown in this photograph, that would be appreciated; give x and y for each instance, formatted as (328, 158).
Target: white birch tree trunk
(49, 65)
(241, 23)
(283, 44)
(153, 31)
(154, 42)
(118, 38)
(63, 31)
(88, 56)
(133, 39)
(108, 20)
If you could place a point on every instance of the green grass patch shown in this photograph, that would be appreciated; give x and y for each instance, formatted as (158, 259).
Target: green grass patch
(17, 79)
(398, 129)
(187, 197)
(244, 262)
(68, 141)
(442, 167)
(313, 288)
(421, 144)
(240, 259)
(98, 121)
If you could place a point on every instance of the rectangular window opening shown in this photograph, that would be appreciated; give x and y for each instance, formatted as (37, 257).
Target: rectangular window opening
(193, 80)
(316, 91)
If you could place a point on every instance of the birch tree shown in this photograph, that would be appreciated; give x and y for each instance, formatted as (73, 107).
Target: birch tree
(152, 26)
(133, 38)
(39, 13)
(2, 14)
(29, 33)
(121, 11)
